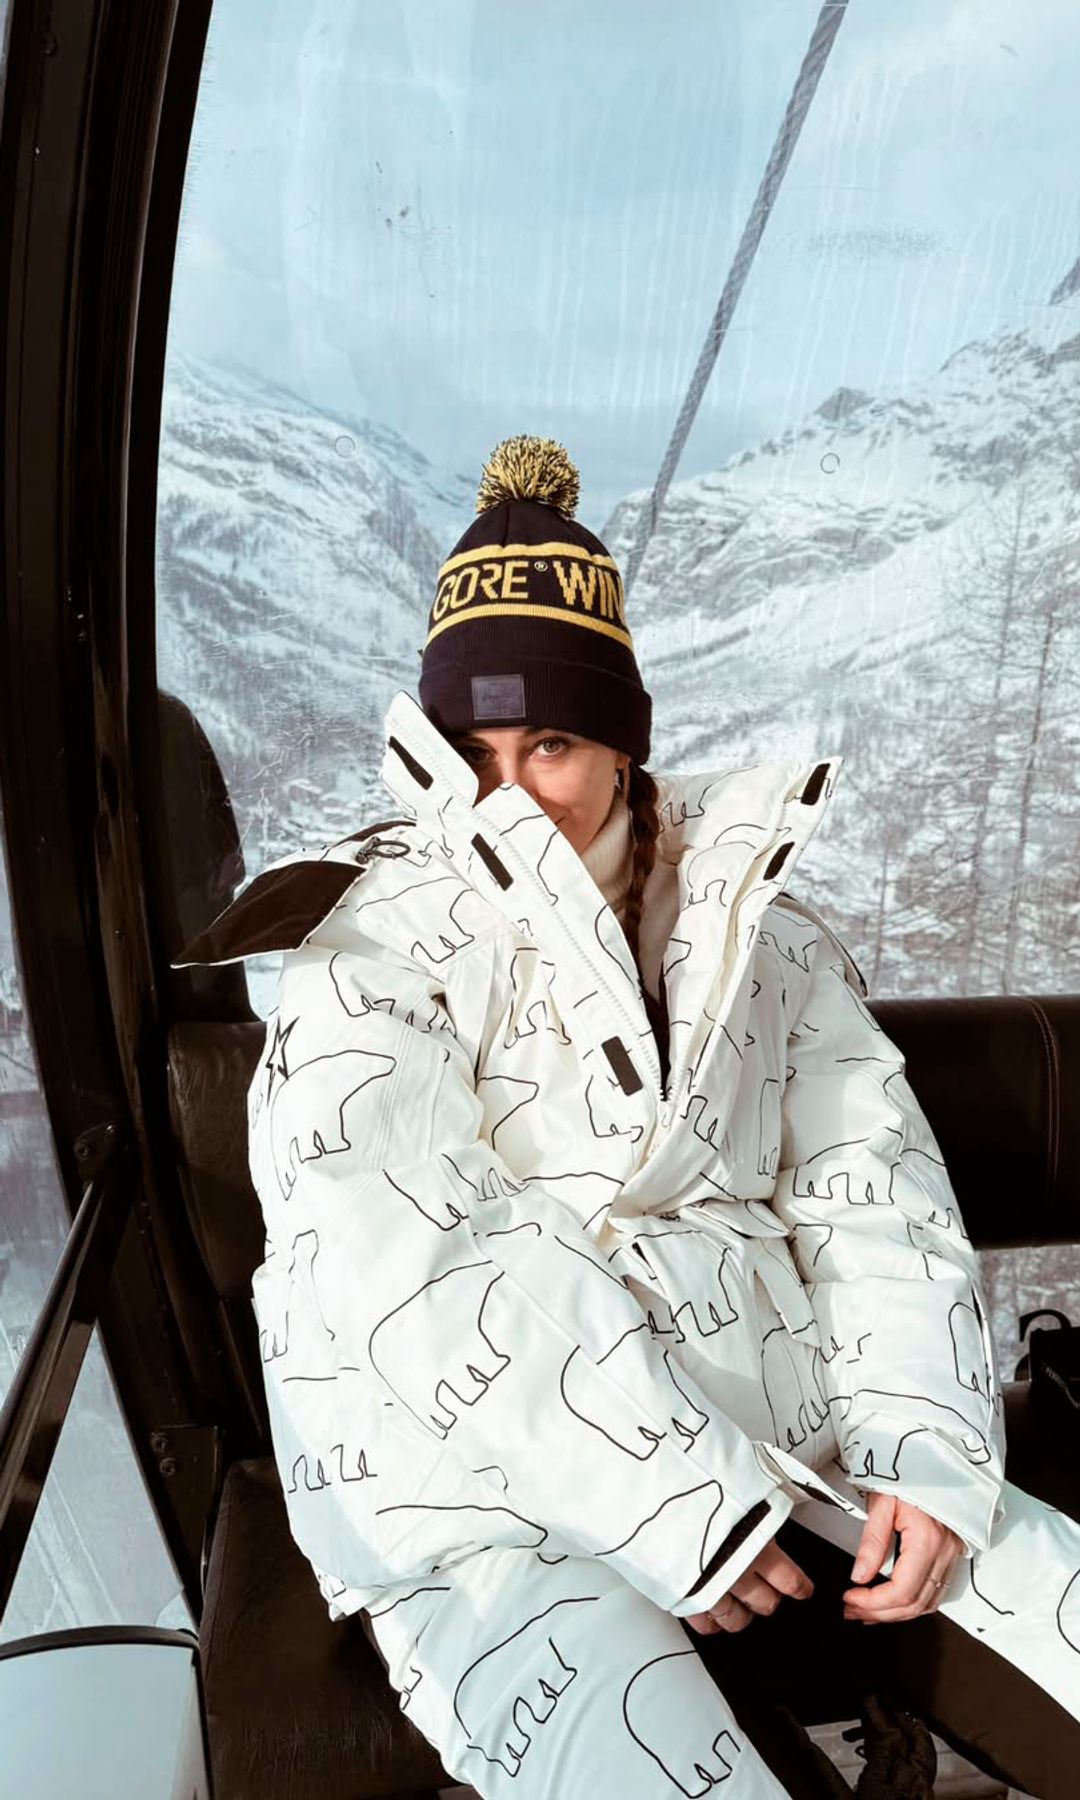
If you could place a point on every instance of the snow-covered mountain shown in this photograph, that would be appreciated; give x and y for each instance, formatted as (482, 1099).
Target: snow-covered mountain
(788, 589)
(296, 556)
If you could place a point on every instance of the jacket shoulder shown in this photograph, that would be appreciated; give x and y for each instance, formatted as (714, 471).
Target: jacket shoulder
(794, 927)
(286, 902)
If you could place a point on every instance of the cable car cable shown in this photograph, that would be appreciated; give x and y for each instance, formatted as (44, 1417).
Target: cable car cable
(828, 24)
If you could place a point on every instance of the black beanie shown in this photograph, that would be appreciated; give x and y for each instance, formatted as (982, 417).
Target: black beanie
(528, 624)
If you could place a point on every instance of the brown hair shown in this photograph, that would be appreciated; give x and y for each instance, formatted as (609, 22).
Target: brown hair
(641, 798)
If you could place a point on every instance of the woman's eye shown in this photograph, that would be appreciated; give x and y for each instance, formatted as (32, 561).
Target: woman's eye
(552, 744)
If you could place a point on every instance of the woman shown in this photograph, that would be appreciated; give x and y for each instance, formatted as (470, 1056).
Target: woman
(614, 1284)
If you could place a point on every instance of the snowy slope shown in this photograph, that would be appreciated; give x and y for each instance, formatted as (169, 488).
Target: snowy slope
(296, 557)
(792, 584)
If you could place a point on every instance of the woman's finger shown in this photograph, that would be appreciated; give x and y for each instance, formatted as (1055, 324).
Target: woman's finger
(782, 1572)
(923, 1559)
(928, 1550)
(877, 1535)
(918, 1552)
(756, 1594)
(938, 1581)
(729, 1614)
(925, 1601)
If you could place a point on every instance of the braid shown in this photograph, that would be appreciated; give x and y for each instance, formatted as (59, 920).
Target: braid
(641, 799)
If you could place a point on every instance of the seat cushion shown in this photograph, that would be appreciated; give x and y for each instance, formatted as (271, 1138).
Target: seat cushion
(1042, 1455)
(211, 1067)
(297, 1705)
(995, 1076)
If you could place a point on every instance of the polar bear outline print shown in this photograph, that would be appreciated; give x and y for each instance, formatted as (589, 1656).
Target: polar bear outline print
(307, 1113)
(527, 1665)
(432, 1350)
(599, 1393)
(654, 1709)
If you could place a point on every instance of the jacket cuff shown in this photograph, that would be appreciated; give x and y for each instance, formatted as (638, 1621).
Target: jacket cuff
(936, 1476)
(749, 1537)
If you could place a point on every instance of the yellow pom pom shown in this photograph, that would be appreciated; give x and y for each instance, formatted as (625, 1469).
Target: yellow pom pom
(529, 468)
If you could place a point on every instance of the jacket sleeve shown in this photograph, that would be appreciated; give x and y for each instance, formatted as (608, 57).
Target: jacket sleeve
(908, 1367)
(473, 1303)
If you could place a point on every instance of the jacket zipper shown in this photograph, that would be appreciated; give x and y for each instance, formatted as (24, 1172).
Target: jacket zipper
(660, 1092)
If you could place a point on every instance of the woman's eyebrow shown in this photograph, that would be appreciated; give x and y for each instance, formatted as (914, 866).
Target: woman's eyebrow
(528, 731)
(530, 734)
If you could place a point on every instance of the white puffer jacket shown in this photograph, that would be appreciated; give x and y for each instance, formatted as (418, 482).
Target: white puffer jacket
(514, 1292)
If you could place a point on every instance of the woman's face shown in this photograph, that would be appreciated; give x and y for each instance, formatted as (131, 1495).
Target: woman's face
(571, 777)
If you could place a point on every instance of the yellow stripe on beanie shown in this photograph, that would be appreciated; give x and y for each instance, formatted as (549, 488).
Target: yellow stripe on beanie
(531, 612)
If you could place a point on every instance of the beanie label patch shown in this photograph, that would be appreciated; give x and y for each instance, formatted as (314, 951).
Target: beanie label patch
(498, 697)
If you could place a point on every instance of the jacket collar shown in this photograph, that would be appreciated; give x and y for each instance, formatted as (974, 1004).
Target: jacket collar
(733, 836)
(431, 772)
(420, 765)
(729, 840)
(511, 851)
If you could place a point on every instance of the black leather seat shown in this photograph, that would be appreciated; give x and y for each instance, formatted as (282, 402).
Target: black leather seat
(299, 1706)
(296, 1706)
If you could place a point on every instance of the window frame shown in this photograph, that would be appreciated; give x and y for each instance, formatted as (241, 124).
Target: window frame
(97, 116)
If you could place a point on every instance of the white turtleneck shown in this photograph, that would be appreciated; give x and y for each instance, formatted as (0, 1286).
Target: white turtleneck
(609, 860)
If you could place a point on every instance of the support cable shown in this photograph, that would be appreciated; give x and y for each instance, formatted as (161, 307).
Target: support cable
(828, 24)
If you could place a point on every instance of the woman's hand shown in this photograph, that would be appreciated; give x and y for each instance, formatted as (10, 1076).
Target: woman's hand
(921, 1572)
(760, 1588)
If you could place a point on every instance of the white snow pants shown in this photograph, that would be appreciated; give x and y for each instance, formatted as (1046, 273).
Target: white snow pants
(555, 1680)
(560, 1681)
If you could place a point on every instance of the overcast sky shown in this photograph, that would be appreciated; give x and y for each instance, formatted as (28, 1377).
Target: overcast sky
(468, 218)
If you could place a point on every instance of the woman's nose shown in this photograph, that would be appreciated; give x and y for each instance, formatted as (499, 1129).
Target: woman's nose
(503, 769)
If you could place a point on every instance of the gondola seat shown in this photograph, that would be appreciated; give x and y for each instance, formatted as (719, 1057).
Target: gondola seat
(296, 1706)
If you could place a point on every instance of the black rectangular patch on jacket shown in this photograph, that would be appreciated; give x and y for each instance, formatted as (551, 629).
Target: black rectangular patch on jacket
(624, 1071)
(812, 791)
(491, 862)
(778, 862)
(416, 770)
